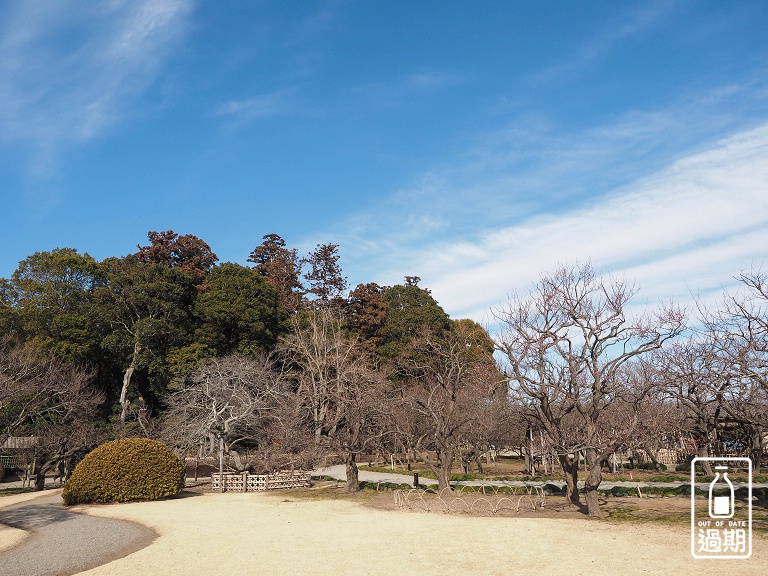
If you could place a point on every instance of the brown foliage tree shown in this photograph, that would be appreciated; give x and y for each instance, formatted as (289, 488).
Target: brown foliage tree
(325, 279)
(188, 253)
(367, 312)
(281, 267)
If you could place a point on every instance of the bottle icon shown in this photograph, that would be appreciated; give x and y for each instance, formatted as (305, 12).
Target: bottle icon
(721, 505)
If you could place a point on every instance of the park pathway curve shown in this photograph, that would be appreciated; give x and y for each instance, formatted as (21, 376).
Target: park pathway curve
(62, 542)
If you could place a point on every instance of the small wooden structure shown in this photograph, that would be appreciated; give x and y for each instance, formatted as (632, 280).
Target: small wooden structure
(245, 482)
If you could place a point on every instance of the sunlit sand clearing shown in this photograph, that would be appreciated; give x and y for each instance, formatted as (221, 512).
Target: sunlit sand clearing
(274, 534)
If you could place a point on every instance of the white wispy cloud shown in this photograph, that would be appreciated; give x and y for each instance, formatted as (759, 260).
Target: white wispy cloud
(529, 168)
(264, 105)
(690, 227)
(428, 80)
(69, 70)
(624, 23)
(675, 198)
(398, 90)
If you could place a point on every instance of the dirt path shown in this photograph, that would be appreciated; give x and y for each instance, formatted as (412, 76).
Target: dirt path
(42, 537)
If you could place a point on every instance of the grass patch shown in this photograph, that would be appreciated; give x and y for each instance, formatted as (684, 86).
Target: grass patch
(14, 490)
(384, 486)
(324, 478)
(622, 513)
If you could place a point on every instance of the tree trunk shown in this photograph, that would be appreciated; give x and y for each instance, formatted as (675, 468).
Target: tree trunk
(757, 450)
(446, 463)
(570, 465)
(652, 456)
(40, 469)
(353, 483)
(127, 380)
(595, 462)
(478, 462)
(703, 452)
(236, 457)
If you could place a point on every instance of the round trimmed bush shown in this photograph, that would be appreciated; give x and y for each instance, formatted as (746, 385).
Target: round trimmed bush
(125, 470)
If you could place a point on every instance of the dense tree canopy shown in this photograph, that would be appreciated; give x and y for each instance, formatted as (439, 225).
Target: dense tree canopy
(188, 253)
(48, 298)
(326, 283)
(290, 368)
(146, 309)
(281, 267)
(239, 312)
(409, 309)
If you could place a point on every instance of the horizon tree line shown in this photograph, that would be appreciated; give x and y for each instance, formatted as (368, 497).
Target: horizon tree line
(288, 366)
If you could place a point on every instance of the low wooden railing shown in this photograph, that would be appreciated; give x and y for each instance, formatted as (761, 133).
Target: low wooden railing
(245, 482)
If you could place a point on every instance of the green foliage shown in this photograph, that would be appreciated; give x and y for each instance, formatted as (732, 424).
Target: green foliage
(384, 486)
(621, 491)
(664, 491)
(757, 492)
(123, 471)
(47, 300)
(409, 310)
(240, 312)
(644, 466)
(186, 359)
(146, 311)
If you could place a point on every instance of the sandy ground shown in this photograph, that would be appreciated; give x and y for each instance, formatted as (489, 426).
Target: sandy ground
(278, 534)
(274, 534)
(9, 537)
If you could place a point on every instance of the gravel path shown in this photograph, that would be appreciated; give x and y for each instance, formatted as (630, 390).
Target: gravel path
(339, 472)
(61, 542)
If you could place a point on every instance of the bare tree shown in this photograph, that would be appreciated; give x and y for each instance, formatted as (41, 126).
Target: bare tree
(659, 417)
(448, 393)
(43, 397)
(228, 397)
(336, 391)
(567, 346)
(692, 373)
(738, 332)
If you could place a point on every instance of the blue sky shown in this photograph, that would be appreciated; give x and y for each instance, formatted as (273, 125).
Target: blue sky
(474, 144)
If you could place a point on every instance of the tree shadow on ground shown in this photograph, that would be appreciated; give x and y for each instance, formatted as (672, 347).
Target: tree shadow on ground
(33, 516)
(183, 495)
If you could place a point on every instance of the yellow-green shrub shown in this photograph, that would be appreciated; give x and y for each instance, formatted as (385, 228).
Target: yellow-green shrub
(125, 470)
